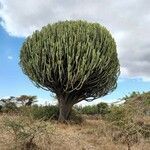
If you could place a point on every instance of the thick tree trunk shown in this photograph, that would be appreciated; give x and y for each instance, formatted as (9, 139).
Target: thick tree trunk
(64, 111)
(65, 105)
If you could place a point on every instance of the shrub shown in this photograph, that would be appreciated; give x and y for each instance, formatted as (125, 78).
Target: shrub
(24, 131)
(49, 112)
(78, 109)
(103, 108)
(117, 115)
(124, 126)
(90, 110)
(45, 112)
(52, 112)
(10, 107)
(75, 117)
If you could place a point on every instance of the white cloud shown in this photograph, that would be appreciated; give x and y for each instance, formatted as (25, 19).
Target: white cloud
(127, 20)
(4, 97)
(10, 57)
(53, 101)
(43, 101)
(85, 103)
(146, 79)
(95, 102)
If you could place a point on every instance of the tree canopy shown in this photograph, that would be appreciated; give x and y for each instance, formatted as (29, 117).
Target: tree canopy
(76, 60)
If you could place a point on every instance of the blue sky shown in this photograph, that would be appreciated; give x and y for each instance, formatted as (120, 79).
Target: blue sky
(131, 37)
(14, 83)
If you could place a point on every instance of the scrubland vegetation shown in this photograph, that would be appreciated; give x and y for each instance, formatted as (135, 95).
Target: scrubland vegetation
(106, 127)
(75, 60)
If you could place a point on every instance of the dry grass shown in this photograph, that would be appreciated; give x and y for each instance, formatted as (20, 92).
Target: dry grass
(91, 135)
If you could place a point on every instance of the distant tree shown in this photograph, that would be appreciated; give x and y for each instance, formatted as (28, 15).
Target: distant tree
(7, 100)
(76, 60)
(9, 104)
(26, 100)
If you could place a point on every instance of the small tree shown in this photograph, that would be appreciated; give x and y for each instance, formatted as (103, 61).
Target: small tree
(26, 100)
(75, 60)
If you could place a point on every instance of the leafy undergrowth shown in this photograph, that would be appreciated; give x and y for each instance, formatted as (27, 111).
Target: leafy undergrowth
(25, 133)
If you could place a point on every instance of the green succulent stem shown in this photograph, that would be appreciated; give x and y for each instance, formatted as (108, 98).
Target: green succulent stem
(72, 58)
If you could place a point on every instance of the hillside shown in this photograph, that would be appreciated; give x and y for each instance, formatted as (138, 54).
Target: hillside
(139, 102)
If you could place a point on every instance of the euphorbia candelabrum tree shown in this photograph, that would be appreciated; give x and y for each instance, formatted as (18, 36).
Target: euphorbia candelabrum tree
(76, 60)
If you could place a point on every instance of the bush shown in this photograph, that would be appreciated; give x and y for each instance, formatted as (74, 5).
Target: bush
(10, 107)
(117, 115)
(90, 110)
(75, 117)
(45, 112)
(49, 112)
(125, 129)
(24, 131)
(103, 108)
(52, 112)
(78, 109)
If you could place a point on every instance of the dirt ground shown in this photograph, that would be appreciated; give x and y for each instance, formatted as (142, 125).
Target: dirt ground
(90, 135)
